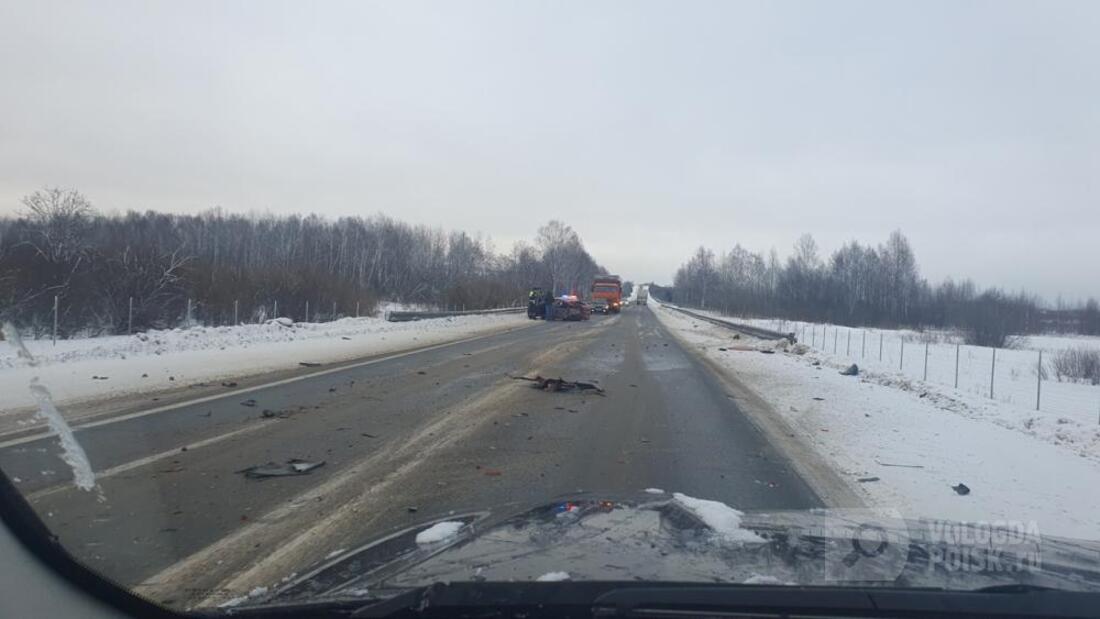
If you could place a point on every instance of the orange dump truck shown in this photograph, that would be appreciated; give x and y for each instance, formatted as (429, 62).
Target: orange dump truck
(607, 294)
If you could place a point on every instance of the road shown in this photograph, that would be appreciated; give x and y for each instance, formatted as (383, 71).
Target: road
(404, 439)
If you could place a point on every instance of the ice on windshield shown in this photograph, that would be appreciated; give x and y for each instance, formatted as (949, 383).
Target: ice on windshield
(71, 451)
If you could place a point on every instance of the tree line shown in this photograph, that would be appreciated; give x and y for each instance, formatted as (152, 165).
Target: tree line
(243, 265)
(863, 286)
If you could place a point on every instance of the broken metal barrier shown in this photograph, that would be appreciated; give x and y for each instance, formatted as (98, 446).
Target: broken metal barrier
(410, 316)
(764, 334)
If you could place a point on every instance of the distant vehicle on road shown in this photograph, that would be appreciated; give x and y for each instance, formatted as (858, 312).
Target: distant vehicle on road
(607, 292)
(537, 300)
(643, 296)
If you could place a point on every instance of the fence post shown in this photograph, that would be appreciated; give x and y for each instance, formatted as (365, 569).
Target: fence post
(880, 345)
(957, 347)
(1039, 381)
(188, 312)
(130, 318)
(307, 311)
(901, 359)
(848, 350)
(334, 310)
(813, 335)
(357, 309)
(863, 346)
(55, 320)
(836, 336)
(275, 311)
(926, 361)
(235, 314)
(992, 373)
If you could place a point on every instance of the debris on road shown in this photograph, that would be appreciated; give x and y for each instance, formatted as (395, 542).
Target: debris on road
(249, 402)
(819, 399)
(864, 480)
(291, 468)
(560, 384)
(309, 364)
(961, 489)
(229, 383)
(904, 466)
(268, 414)
(851, 370)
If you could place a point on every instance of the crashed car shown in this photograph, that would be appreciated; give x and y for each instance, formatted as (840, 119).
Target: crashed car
(571, 308)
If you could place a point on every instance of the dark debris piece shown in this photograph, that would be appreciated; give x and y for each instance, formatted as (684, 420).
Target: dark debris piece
(290, 468)
(560, 384)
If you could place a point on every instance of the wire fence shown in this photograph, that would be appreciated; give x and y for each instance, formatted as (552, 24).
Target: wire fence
(198, 313)
(1024, 377)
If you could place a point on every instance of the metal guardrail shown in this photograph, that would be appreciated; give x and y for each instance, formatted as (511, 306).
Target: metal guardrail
(410, 316)
(764, 334)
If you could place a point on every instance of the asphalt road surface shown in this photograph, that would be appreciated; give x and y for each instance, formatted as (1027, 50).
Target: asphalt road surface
(404, 439)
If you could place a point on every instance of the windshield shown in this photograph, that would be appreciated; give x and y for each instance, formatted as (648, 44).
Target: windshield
(280, 282)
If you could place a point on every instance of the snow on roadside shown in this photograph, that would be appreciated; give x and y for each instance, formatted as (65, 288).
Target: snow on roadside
(941, 357)
(553, 577)
(117, 365)
(911, 441)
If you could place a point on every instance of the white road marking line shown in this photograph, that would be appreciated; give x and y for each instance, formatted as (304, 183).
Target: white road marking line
(238, 392)
(140, 462)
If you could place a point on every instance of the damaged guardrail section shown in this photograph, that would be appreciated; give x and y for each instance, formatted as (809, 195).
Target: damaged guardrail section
(409, 316)
(765, 334)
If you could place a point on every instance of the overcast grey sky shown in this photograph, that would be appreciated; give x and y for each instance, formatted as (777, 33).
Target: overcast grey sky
(650, 127)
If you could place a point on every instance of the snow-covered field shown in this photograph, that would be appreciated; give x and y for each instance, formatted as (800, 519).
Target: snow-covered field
(103, 367)
(1012, 378)
(912, 440)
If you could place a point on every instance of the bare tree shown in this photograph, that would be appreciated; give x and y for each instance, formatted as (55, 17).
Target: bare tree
(61, 217)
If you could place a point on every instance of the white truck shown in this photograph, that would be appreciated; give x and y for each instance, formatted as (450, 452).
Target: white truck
(643, 296)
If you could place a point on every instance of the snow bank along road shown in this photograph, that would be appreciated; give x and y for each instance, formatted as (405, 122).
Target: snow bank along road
(92, 376)
(406, 439)
(903, 443)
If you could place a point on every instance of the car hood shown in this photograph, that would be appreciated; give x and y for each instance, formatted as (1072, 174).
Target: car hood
(662, 537)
